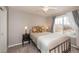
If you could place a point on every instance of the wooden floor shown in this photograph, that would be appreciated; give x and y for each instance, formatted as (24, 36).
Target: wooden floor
(30, 48)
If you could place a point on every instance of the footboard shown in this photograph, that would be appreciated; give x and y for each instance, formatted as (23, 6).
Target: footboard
(64, 47)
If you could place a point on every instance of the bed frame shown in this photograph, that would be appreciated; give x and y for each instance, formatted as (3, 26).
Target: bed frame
(35, 45)
(64, 47)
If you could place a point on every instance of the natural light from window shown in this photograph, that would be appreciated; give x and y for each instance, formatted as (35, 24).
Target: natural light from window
(62, 24)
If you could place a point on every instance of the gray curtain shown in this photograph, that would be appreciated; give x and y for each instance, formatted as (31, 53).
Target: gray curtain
(76, 17)
(53, 20)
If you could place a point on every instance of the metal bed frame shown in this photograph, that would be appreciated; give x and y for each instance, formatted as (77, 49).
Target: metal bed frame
(64, 47)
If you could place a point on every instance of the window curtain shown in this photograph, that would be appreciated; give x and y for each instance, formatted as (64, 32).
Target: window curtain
(76, 17)
(71, 20)
(52, 26)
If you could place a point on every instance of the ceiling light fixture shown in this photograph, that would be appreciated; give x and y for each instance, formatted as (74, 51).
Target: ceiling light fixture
(45, 9)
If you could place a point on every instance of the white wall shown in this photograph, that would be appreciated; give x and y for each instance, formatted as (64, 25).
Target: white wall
(16, 23)
(49, 22)
(3, 30)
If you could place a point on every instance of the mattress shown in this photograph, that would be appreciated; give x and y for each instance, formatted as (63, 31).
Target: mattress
(34, 36)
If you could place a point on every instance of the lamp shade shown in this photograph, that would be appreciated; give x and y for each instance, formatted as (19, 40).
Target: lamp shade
(25, 27)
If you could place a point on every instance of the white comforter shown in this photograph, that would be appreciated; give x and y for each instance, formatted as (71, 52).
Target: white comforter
(46, 42)
(35, 36)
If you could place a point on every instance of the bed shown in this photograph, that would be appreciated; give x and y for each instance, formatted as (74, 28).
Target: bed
(48, 42)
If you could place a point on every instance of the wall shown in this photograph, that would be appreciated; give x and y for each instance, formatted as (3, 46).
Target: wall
(3, 30)
(16, 23)
(49, 23)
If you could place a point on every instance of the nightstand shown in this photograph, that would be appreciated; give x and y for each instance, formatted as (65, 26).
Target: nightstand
(25, 37)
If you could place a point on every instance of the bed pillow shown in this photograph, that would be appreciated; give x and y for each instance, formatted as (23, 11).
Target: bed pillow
(35, 29)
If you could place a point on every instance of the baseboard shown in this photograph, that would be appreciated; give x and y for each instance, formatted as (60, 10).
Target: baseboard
(15, 44)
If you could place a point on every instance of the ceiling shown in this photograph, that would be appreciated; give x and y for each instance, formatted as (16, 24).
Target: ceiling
(38, 10)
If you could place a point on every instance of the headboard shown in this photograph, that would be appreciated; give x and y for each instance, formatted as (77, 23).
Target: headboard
(38, 29)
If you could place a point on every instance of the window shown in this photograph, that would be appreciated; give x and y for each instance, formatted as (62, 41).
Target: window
(62, 24)
(62, 20)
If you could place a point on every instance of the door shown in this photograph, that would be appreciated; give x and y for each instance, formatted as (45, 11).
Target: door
(3, 30)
